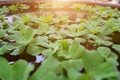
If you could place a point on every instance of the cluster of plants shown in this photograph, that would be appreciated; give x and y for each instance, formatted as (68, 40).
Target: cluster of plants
(49, 6)
(86, 50)
(13, 9)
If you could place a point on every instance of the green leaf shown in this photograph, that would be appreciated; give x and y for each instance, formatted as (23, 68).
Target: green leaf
(65, 33)
(18, 37)
(56, 47)
(106, 30)
(13, 8)
(28, 33)
(108, 55)
(47, 52)
(5, 70)
(1, 33)
(73, 67)
(43, 28)
(96, 68)
(18, 71)
(81, 33)
(104, 51)
(65, 44)
(46, 19)
(75, 50)
(76, 64)
(3, 49)
(112, 59)
(63, 54)
(46, 71)
(17, 50)
(23, 37)
(34, 49)
(99, 41)
(4, 10)
(73, 74)
(18, 23)
(105, 71)
(11, 49)
(84, 77)
(80, 40)
(21, 70)
(42, 41)
(116, 47)
(23, 6)
(90, 63)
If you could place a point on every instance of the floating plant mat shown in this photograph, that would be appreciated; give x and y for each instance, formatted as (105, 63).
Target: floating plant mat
(84, 48)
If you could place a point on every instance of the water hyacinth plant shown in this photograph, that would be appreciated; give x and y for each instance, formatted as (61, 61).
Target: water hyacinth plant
(86, 48)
